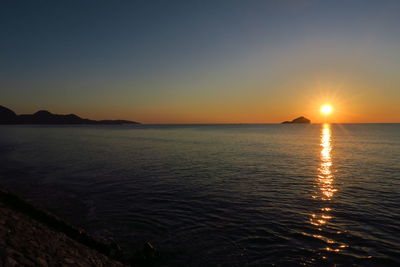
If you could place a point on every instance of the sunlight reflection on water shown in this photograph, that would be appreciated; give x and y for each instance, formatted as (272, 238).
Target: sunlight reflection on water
(325, 176)
(326, 190)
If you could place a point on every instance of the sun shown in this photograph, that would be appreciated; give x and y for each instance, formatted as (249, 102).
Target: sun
(326, 109)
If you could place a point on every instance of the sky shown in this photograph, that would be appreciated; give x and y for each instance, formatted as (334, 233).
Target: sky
(202, 61)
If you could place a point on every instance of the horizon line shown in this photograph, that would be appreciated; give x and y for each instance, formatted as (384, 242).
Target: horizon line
(262, 123)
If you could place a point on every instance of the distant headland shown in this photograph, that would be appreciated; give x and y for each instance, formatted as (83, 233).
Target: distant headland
(298, 120)
(7, 116)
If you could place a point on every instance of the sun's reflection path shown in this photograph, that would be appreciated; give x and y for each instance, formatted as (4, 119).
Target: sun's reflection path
(325, 176)
(325, 191)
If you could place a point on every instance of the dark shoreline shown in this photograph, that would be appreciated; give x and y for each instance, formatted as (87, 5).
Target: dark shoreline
(40, 221)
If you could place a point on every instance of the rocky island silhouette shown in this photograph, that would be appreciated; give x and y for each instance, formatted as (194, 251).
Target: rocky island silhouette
(298, 120)
(7, 116)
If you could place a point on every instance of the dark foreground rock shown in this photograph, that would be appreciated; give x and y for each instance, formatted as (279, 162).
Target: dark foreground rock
(31, 237)
(298, 120)
(7, 116)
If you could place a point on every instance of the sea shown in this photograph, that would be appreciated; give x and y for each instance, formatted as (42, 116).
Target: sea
(219, 195)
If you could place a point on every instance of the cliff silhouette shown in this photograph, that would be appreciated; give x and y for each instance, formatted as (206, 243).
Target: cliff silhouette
(298, 120)
(7, 116)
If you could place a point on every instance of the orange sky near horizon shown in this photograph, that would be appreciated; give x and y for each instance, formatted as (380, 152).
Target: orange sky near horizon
(349, 106)
(352, 103)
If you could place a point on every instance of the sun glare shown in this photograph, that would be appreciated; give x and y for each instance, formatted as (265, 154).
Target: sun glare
(326, 109)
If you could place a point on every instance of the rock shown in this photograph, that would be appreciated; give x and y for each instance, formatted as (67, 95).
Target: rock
(11, 262)
(41, 261)
(69, 261)
(147, 255)
(149, 251)
(298, 120)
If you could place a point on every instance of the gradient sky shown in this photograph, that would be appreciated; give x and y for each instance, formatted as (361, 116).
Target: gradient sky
(202, 61)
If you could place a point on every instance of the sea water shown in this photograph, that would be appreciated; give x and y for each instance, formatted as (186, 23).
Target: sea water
(219, 195)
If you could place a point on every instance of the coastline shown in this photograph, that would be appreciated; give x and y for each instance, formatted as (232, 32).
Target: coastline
(33, 237)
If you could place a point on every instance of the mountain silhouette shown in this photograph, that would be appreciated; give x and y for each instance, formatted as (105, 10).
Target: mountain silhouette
(7, 116)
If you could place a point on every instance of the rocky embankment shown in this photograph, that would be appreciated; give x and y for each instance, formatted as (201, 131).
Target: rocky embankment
(32, 237)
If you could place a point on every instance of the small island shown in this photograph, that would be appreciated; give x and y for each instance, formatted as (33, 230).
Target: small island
(7, 116)
(302, 120)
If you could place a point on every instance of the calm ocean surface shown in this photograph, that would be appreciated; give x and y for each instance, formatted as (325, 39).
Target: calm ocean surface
(220, 195)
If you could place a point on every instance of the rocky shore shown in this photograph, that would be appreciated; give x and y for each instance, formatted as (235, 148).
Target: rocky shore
(33, 237)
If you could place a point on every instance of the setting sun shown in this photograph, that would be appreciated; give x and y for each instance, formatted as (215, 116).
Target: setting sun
(326, 109)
